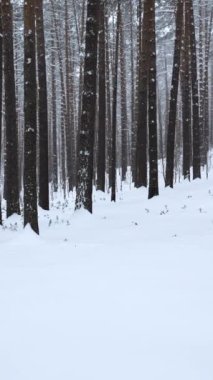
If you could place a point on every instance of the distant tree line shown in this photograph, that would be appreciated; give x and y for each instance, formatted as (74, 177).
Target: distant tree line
(99, 91)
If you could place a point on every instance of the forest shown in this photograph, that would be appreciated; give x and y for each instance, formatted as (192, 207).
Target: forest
(106, 189)
(93, 92)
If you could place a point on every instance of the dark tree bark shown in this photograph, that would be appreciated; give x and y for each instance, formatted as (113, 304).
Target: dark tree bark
(186, 98)
(211, 104)
(195, 94)
(69, 113)
(42, 109)
(133, 123)
(136, 132)
(86, 136)
(124, 118)
(201, 65)
(30, 131)
(206, 127)
(54, 117)
(173, 97)
(101, 159)
(141, 147)
(108, 106)
(1, 77)
(153, 138)
(11, 169)
(161, 139)
(114, 108)
(81, 68)
(63, 101)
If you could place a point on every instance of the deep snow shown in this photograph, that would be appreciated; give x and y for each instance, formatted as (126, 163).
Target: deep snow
(124, 294)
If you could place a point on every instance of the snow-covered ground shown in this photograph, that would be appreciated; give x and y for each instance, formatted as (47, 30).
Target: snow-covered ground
(124, 294)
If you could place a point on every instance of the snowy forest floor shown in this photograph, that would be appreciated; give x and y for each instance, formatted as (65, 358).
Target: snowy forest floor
(123, 294)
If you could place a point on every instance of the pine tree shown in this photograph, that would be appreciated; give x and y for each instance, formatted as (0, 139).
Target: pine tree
(30, 130)
(186, 96)
(11, 168)
(101, 160)
(124, 116)
(114, 108)
(141, 147)
(42, 109)
(152, 101)
(86, 136)
(195, 93)
(1, 78)
(173, 97)
(54, 131)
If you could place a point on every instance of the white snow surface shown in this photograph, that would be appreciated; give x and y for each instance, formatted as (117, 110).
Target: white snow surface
(123, 294)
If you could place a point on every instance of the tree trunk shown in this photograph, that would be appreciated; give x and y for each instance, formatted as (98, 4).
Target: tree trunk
(42, 109)
(86, 136)
(173, 97)
(141, 148)
(124, 118)
(11, 170)
(186, 98)
(30, 186)
(153, 140)
(1, 78)
(195, 94)
(114, 109)
(70, 115)
(101, 162)
(54, 117)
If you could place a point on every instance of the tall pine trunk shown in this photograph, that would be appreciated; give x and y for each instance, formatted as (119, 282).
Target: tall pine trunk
(195, 94)
(30, 130)
(152, 101)
(124, 118)
(186, 98)
(54, 115)
(11, 169)
(87, 125)
(42, 109)
(1, 78)
(69, 110)
(174, 97)
(114, 110)
(101, 162)
(141, 147)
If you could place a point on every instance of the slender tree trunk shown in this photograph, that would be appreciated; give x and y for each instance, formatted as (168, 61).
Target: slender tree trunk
(1, 78)
(133, 124)
(208, 32)
(124, 118)
(141, 148)
(201, 77)
(63, 106)
(11, 170)
(101, 162)
(161, 141)
(109, 104)
(54, 118)
(69, 123)
(86, 137)
(30, 186)
(186, 98)
(42, 109)
(114, 108)
(153, 140)
(136, 131)
(173, 97)
(195, 95)
(81, 64)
